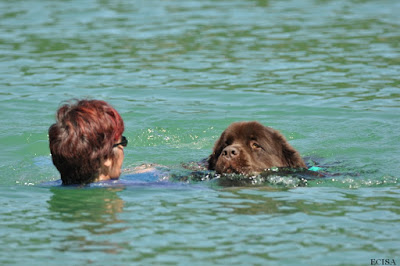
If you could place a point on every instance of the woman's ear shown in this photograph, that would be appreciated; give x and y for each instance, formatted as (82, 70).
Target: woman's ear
(107, 163)
(106, 167)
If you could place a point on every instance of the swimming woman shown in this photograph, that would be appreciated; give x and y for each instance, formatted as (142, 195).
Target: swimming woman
(86, 142)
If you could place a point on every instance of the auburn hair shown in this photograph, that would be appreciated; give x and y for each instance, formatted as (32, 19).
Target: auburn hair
(82, 138)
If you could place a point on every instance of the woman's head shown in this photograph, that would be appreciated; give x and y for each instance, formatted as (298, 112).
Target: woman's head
(82, 142)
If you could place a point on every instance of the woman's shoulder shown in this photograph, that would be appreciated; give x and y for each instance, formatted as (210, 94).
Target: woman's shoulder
(143, 174)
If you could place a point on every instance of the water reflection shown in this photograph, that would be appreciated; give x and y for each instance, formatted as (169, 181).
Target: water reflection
(254, 203)
(278, 201)
(88, 215)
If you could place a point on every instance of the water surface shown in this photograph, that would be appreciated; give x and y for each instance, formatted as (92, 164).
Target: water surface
(324, 73)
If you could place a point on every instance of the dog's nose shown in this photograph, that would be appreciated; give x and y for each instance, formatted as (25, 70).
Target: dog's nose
(230, 152)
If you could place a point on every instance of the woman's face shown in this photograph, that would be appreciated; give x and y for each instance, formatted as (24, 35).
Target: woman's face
(117, 161)
(111, 168)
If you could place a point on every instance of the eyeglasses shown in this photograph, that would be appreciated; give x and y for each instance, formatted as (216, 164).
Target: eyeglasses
(124, 142)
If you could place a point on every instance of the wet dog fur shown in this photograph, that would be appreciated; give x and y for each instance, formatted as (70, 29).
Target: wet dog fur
(251, 148)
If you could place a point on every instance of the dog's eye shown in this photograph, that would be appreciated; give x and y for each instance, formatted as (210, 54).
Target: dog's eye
(255, 145)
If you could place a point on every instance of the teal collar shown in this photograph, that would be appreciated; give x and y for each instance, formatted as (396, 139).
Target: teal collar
(315, 168)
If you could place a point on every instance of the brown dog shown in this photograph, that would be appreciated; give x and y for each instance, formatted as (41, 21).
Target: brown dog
(250, 148)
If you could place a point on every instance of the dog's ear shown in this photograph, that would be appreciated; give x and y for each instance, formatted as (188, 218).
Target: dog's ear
(218, 147)
(290, 156)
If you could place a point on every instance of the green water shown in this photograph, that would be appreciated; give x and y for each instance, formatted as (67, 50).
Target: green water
(324, 73)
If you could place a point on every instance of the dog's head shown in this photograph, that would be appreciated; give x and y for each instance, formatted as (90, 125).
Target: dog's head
(250, 148)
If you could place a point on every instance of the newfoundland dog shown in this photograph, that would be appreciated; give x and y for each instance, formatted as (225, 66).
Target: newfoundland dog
(251, 148)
